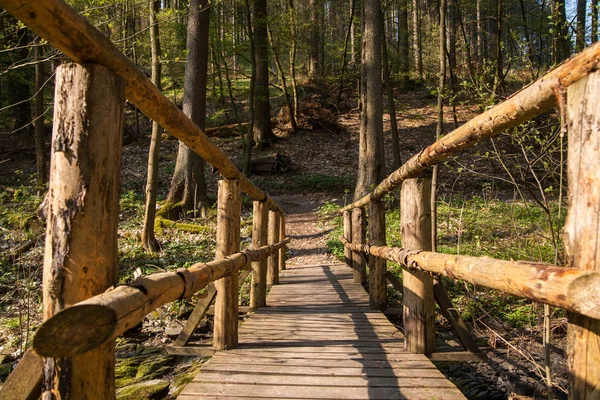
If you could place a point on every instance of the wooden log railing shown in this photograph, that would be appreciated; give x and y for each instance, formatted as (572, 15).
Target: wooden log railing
(574, 85)
(83, 198)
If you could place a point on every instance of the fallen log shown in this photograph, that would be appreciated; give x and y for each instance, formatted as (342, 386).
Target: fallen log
(571, 289)
(90, 323)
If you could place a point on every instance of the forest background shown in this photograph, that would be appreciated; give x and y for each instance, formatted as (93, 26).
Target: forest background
(300, 63)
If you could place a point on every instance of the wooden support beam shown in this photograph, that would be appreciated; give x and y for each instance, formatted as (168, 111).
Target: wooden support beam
(229, 205)
(83, 211)
(377, 265)
(358, 236)
(348, 236)
(582, 231)
(273, 260)
(453, 317)
(196, 316)
(282, 237)
(260, 224)
(25, 382)
(419, 308)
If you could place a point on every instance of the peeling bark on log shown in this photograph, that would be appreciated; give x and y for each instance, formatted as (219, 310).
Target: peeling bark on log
(81, 255)
(582, 231)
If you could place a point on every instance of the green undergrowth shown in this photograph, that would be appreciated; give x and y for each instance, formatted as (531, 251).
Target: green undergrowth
(506, 230)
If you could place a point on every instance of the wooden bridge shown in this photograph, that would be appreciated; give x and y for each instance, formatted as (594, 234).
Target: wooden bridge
(320, 336)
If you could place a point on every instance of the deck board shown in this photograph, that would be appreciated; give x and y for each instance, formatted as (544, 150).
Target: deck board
(318, 339)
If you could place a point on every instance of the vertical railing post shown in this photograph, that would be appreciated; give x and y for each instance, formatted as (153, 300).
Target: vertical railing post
(273, 261)
(281, 237)
(229, 207)
(377, 266)
(260, 224)
(358, 237)
(419, 306)
(582, 229)
(348, 236)
(81, 255)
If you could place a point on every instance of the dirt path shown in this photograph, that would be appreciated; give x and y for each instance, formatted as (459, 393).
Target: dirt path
(308, 245)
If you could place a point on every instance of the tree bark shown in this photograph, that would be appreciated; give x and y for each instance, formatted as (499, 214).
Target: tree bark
(403, 49)
(580, 29)
(390, 97)
(262, 110)
(417, 40)
(314, 66)
(582, 229)
(83, 210)
(188, 185)
(370, 159)
(292, 12)
(149, 241)
(273, 260)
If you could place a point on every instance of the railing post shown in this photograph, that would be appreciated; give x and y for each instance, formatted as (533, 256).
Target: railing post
(358, 237)
(348, 236)
(260, 224)
(273, 262)
(377, 266)
(419, 306)
(83, 210)
(281, 237)
(582, 229)
(229, 206)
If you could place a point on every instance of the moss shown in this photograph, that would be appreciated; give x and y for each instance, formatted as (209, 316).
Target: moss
(126, 371)
(148, 369)
(170, 211)
(183, 378)
(148, 390)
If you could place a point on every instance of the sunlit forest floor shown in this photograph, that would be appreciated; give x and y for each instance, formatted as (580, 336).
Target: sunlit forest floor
(484, 209)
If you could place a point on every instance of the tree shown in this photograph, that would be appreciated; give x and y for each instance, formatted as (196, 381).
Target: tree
(188, 186)
(262, 110)
(580, 30)
(370, 154)
(314, 67)
(149, 242)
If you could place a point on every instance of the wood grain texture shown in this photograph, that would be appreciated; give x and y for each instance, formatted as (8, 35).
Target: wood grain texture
(273, 260)
(25, 382)
(319, 339)
(582, 232)
(229, 209)
(419, 306)
(81, 254)
(260, 225)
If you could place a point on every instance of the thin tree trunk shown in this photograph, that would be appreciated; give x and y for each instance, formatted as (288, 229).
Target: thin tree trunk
(288, 99)
(580, 31)
(390, 98)
(440, 121)
(350, 25)
(149, 241)
(292, 12)
(314, 67)
(403, 49)
(417, 40)
(38, 117)
(594, 33)
(248, 142)
(262, 110)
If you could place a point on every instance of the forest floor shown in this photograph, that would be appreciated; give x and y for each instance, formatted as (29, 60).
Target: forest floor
(324, 163)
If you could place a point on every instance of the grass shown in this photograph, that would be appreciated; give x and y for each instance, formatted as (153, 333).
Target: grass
(504, 230)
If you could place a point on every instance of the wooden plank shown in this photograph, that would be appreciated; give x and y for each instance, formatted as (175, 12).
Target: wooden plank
(194, 320)
(339, 381)
(317, 392)
(25, 382)
(299, 362)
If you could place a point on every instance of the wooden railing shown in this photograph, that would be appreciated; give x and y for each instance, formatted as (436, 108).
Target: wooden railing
(83, 313)
(575, 87)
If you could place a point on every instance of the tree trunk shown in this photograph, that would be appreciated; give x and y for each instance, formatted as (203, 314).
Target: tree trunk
(289, 101)
(188, 185)
(292, 12)
(417, 40)
(314, 67)
(149, 242)
(403, 49)
(83, 211)
(249, 138)
(370, 158)
(580, 30)
(344, 58)
(38, 117)
(594, 13)
(561, 45)
(262, 109)
(390, 97)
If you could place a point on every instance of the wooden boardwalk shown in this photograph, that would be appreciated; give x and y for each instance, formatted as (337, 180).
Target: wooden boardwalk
(318, 339)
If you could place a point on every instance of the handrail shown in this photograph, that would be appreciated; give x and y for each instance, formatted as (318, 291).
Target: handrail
(92, 322)
(529, 102)
(69, 32)
(571, 289)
